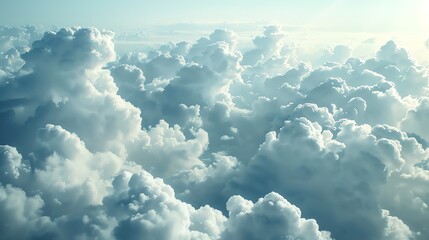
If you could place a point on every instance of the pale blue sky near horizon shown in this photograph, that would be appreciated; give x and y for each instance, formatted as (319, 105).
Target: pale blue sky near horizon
(327, 15)
(308, 22)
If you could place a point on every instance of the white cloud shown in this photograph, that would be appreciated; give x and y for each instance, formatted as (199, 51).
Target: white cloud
(271, 217)
(23, 214)
(169, 143)
(414, 122)
(167, 151)
(391, 54)
(395, 229)
(266, 46)
(15, 41)
(11, 164)
(145, 207)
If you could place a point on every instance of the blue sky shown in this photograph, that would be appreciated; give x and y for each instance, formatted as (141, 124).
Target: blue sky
(329, 15)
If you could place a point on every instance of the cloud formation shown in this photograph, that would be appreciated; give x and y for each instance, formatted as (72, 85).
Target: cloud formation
(199, 140)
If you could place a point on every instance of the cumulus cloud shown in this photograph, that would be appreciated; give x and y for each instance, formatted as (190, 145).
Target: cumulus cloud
(168, 151)
(15, 41)
(146, 207)
(271, 217)
(415, 118)
(266, 46)
(200, 140)
(338, 54)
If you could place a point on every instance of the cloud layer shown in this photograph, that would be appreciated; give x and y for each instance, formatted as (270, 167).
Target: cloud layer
(199, 140)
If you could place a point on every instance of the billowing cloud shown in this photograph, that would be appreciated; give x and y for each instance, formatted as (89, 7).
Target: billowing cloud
(415, 118)
(15, 41)
(271, 217)
(267, 46)
(201, 140)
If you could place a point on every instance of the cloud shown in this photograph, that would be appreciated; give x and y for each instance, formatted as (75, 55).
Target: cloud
(145, 207)
(414, 121)
(271, 217)
(396, 228)
(23, 220)
(267, 55)
(168, 151)
(355, 162)
(163, 66)
(204, 184)
(391, 54)
(11, 164)
(338, 54)
(369, 40)
(62, 82)
(204, 140)
(15, 41)
(266, 46)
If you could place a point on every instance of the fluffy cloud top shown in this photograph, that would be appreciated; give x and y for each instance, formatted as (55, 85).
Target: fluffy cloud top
(271, 217)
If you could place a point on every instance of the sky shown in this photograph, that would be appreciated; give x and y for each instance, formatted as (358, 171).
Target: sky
(335, 21)
(203, 120)
(329, 15)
